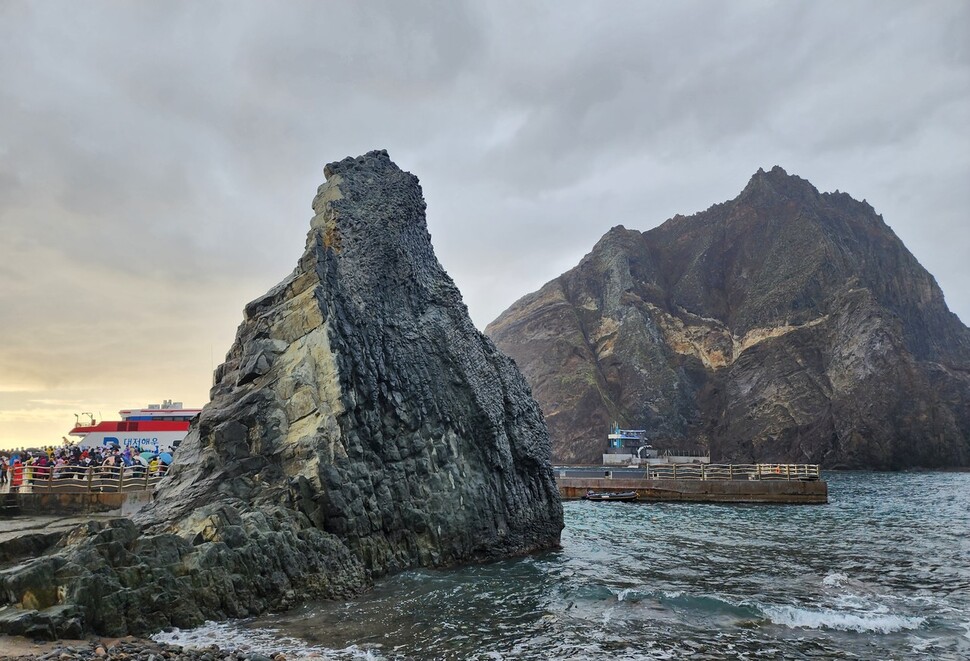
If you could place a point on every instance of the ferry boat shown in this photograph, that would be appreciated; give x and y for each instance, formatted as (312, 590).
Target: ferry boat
(155, 428)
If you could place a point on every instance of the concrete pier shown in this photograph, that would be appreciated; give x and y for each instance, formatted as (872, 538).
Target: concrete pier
(701, 491)
(69, 504)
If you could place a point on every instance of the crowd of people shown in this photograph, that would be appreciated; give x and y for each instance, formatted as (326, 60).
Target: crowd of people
(24, 467)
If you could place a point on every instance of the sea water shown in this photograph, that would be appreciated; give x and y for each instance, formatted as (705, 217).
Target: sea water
(881, 572)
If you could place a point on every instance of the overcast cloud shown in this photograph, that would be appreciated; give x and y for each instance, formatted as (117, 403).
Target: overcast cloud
(158, 159)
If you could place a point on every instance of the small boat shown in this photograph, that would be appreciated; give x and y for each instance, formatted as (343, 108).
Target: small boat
(611, 496)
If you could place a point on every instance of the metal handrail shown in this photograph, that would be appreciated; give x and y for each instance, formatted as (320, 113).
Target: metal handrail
(789, 472)
(84, 479)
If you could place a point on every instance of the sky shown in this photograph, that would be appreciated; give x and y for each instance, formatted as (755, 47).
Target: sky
(158, 159)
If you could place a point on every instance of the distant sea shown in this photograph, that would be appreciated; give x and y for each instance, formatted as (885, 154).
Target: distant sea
(882, 572)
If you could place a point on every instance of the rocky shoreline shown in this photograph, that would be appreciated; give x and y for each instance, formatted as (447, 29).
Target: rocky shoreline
(17, 648)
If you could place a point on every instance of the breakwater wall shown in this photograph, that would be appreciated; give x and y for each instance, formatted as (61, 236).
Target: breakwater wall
(701, 491)
(73, 503)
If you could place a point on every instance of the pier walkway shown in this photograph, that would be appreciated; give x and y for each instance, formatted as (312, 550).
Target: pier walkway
(708, 483)
(77, 479)
(73, 490)
(106, 488)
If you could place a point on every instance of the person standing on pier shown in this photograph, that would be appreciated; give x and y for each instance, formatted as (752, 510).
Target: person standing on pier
(16, 474)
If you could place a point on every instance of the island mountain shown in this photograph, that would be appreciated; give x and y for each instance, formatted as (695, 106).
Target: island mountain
(783, 325)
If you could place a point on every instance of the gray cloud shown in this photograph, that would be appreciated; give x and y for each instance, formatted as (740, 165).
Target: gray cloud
(157, 160)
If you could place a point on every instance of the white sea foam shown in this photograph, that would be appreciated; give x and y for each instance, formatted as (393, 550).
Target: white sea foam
(835, 580)
(857, 603)
(231, 637)
(805, 618)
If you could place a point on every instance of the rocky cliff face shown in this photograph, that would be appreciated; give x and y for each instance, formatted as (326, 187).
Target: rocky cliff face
(360, 425)
(783, 325)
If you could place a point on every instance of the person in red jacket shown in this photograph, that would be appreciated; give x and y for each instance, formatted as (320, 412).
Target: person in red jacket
(16, 474)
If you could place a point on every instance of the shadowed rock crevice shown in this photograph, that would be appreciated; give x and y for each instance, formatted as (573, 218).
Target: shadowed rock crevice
(360, 425)
(784, 325)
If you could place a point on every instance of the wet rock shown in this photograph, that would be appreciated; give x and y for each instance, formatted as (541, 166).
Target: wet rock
(360, 425)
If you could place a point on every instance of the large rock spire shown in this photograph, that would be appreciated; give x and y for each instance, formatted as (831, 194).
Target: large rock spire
(359, 425)
(360, 388)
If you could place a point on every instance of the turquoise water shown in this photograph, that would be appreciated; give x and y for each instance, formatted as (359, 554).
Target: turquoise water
(882, 572)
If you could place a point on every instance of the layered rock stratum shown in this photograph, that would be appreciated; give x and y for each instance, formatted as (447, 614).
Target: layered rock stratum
(783, 325)
(360, 425)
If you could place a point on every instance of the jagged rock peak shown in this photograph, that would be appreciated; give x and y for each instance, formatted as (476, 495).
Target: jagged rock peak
(777, 182)
(776, 172)
(370, 224)
(359, 425)
(375, 160)
(617, 235)
(364, 357)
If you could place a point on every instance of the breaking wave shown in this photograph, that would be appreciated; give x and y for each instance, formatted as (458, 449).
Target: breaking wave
(835, 580)
(825, 618)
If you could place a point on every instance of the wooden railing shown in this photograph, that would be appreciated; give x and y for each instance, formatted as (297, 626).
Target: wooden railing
(80, 479)
(804, 472)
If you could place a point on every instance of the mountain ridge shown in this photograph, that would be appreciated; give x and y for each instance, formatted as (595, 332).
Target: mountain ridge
(811, 295)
